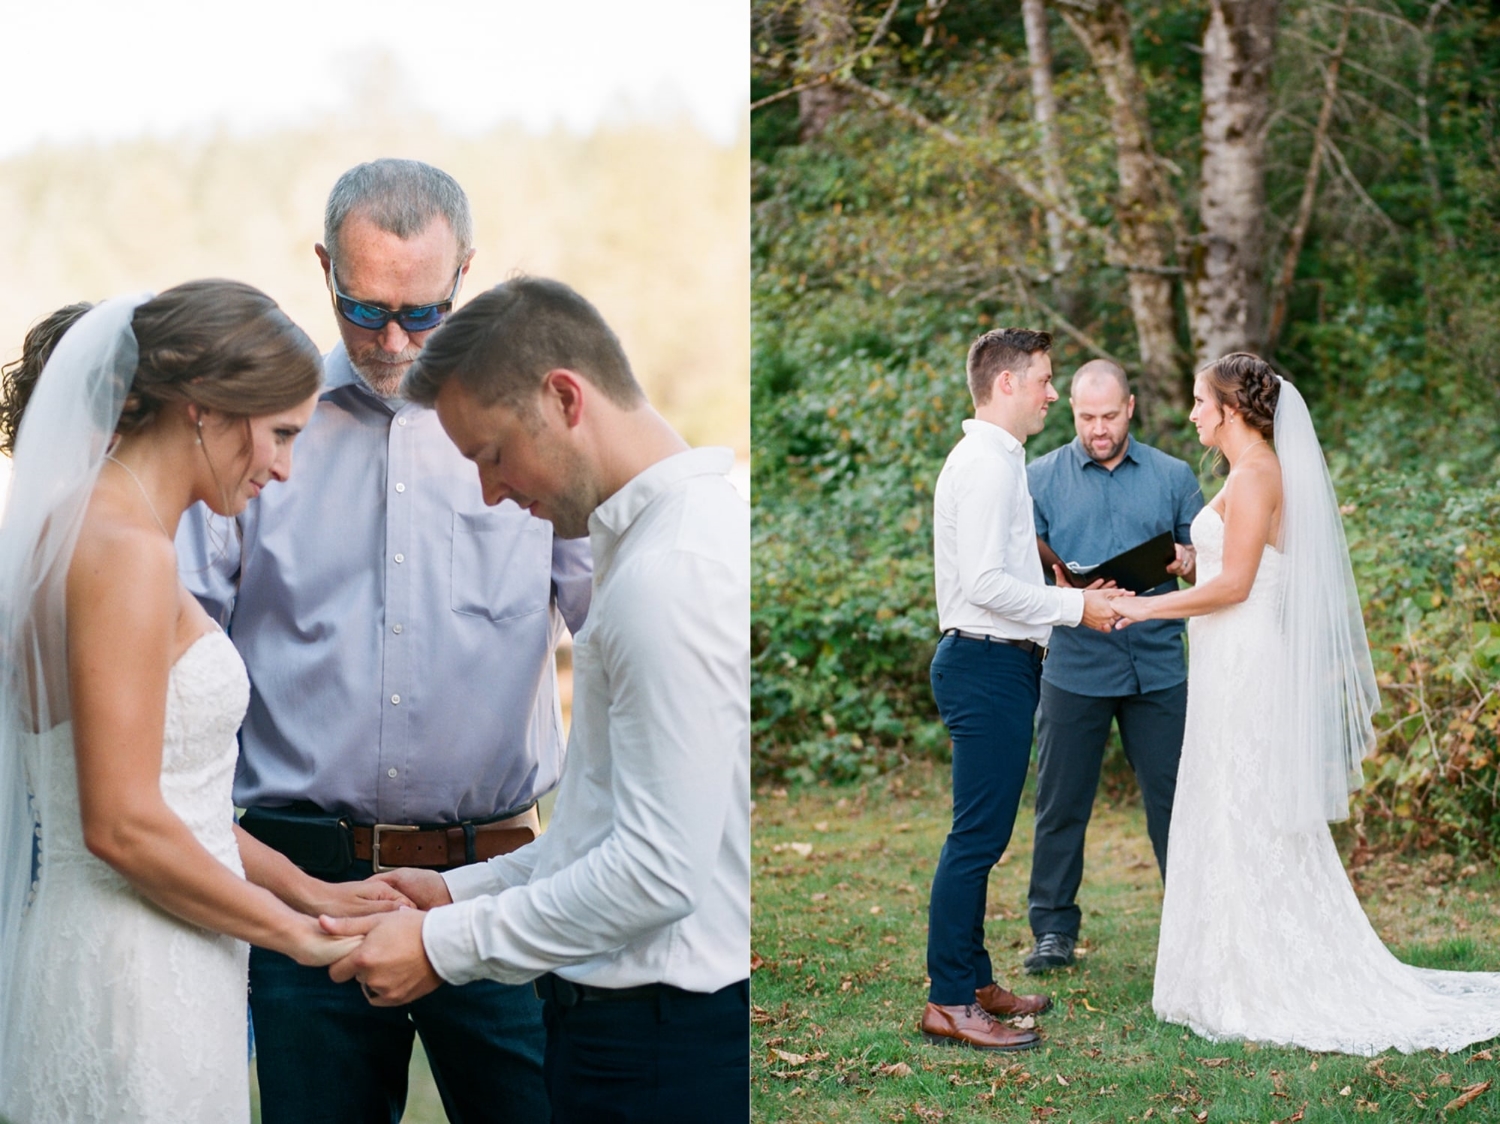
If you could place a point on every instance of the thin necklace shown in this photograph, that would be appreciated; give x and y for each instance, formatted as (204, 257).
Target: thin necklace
(149, 505)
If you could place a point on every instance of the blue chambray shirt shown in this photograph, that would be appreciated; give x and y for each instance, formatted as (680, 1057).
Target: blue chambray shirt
(1088, 514)
(399, 634)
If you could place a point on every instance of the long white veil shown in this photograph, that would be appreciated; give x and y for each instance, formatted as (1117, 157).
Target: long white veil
(60, 446)
(1327, 691)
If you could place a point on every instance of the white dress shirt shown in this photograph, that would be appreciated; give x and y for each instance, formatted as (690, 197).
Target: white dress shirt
(989, 574)
(643, 874)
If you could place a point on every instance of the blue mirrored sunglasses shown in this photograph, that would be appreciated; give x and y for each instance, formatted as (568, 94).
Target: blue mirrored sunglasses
(372, 317)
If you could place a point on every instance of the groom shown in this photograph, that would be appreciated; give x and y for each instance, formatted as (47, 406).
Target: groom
(996, 615)
(632, 913)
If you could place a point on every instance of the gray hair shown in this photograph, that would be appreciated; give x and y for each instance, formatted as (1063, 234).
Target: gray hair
(400, 197)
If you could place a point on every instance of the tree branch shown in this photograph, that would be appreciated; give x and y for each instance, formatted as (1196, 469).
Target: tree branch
(1069, 329)
(827, 76)
(1283, 283)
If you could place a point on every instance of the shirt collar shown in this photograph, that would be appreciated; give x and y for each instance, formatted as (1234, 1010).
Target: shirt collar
(612, 518)
(1082, 459)
(994, 436)
(338, 373)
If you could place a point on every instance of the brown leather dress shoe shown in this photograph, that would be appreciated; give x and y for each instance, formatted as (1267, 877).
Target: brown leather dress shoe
(1007, 1004)
(971, 1025)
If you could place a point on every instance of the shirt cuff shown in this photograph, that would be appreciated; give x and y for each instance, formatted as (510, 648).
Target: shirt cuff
(469, 881)
(448, 940)
(1072, 614)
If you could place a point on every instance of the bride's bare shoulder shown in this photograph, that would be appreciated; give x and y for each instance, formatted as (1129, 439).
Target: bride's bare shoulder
(117, 557)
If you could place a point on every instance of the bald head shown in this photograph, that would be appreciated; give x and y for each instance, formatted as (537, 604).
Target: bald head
(1102, 408)
(1097, 373)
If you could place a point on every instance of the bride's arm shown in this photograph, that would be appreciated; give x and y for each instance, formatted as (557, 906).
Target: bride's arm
(268, 867)
(122, 606)
(1248, 516)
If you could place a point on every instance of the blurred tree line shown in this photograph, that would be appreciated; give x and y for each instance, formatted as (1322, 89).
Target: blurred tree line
(647, 219)
(1160, 183)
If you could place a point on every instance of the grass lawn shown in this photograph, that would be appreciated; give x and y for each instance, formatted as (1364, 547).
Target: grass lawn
(840, 884)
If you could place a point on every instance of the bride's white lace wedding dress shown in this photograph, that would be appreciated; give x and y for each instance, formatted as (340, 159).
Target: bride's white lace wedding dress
(1262, 937)
(123, 1012)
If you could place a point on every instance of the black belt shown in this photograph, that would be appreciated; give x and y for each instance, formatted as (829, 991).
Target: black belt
(565, 993)
(1030, 647)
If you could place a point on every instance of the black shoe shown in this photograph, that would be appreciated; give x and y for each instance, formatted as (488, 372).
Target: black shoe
(1053, 950)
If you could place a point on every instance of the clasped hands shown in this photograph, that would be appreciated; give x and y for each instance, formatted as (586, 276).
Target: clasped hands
(389, 960)
(1107, 607)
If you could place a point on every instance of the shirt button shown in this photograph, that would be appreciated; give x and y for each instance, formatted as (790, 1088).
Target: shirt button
(390, 772)
(396, 628)
(400, 487)
(400, 421)
(395, 700)
(400, 558)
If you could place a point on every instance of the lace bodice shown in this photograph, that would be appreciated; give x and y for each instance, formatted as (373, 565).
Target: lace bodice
(1208, 541)
(207, 693)
(124, 1013)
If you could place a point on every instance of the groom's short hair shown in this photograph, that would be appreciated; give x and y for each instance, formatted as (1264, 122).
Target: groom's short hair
(501, 345)
(1002, 349)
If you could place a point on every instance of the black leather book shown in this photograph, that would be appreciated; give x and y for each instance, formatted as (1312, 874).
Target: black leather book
(1141, 568)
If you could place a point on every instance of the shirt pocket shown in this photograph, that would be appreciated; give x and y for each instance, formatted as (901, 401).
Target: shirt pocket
(502, 564)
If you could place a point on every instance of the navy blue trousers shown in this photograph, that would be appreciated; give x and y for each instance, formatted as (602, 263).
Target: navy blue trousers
(681, 1058)
(986, 693)
(325, 1056)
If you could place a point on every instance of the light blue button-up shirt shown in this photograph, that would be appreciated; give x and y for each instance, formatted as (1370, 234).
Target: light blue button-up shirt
(399, 634)
(1087, 514)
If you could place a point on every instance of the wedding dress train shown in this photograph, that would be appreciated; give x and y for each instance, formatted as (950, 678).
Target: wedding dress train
(1262, 937)
(122, 1012)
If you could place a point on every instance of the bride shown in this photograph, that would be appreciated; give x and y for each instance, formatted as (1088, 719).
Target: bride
(1262, 937)
(122, 930)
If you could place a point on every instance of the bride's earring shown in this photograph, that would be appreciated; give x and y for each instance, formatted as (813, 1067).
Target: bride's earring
(199, 438)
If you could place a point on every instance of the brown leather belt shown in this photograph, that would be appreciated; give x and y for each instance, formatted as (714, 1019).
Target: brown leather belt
(387, 846)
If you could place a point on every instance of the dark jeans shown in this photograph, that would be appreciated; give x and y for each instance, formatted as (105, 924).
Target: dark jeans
(986, 694)
(325, 1056)
(1071, 735)
(681, 1058)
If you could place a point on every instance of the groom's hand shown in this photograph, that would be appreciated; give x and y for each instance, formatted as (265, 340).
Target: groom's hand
(356, 899)
(391, 965)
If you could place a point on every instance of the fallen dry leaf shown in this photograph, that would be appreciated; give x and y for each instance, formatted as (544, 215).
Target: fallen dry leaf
(1467, 1096)
(802, 849)
(1214, 1063)
(1026, 1022)
(894, 1069)
(1345, 1091)
(755, 961)
(1483, 1056)
(788, 1057)
(1087, 1006)
(1201, 1117)
(1061, 1080)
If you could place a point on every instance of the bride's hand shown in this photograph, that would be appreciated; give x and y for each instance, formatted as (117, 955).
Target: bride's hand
(356, 899)
(1131, 609)
(314, 948)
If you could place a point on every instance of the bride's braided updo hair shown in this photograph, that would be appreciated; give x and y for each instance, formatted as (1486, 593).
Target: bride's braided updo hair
(1246, 383)
(223, 345)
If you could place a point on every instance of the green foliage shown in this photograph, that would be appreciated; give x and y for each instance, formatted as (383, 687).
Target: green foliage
(1428, 553)
(880, 251)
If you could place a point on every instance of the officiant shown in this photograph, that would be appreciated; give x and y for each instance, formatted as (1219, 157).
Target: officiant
(1097, 497)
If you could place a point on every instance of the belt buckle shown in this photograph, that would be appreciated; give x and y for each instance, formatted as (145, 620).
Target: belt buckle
(375, 843)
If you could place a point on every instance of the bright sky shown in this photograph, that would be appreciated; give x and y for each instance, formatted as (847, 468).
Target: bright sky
(107, 69)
